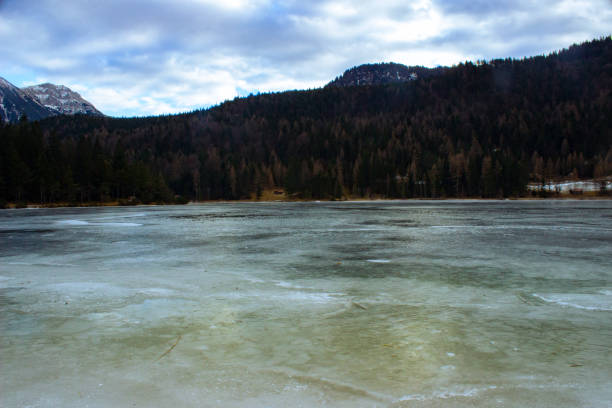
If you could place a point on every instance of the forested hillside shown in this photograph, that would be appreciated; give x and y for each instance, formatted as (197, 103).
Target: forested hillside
(480, 129)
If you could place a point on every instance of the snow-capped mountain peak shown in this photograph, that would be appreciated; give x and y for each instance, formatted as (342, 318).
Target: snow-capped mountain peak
(14, 103)
(40, 101)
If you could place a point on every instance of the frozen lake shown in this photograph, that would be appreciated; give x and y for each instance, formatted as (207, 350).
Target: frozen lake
(386, 304)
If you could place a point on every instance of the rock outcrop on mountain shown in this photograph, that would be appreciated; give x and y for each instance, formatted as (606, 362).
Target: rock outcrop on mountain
(61, 99)
(40, 101)
(384, 73)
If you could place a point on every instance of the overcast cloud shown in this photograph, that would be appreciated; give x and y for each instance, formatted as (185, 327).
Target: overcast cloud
(145, 57)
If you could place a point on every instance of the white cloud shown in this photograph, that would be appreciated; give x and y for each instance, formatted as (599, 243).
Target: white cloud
(235, 5)
(140, 57)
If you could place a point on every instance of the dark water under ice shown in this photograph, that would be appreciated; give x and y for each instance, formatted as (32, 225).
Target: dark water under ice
(388, 304)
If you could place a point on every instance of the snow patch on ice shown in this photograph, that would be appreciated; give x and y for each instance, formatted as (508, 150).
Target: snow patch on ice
(104, 224)
(288, 285)
(117, 224)
(470, 392)
(254, 280)
(298, 297)
(156, 291)
(381, 261)
(87, 289)
(597, 303)
(309, 297)
(72, 222)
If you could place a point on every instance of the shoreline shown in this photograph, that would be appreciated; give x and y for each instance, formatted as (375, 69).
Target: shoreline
(565, 197)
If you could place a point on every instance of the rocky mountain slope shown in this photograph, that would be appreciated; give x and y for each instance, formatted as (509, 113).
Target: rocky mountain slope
(14, 103)
(40, 101)
(61, 99)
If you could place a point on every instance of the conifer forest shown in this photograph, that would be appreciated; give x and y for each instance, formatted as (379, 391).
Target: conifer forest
(478, 129)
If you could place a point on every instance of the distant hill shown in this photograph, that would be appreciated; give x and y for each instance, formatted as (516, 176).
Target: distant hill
(484, 129)
(384, 73)
(41, 101)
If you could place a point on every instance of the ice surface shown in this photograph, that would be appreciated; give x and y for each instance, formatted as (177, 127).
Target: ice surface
(298, 304)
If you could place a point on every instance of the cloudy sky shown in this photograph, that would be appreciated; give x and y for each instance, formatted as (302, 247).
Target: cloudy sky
(146, 57)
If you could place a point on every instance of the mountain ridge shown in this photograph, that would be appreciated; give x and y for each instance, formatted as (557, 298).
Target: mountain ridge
(41, 101)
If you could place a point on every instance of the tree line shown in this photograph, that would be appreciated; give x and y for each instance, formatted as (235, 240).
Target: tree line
(483, 129)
